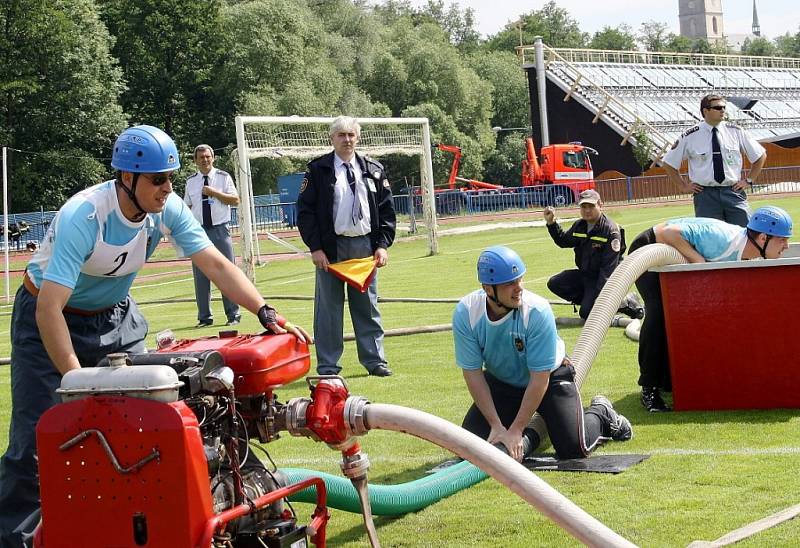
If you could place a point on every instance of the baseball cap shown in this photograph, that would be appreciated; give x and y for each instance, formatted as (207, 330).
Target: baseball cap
(589, 197)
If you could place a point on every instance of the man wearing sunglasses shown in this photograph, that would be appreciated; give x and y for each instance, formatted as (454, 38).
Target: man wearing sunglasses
(73, 307)
(714, 150)
(210, 193)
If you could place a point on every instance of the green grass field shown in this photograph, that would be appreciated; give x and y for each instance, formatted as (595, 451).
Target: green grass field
(708, 473)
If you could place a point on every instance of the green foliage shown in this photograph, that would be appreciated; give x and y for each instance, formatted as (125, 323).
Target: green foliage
(642, 148)
(459, 26)
(788, 45)
(58, 97)
(504, 165)
(619, 38)
(759, 46)
(654, 36)
(169, 50)
(555, 25)
(510, 102)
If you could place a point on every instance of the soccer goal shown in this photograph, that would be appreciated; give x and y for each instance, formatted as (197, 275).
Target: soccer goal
(307, 138)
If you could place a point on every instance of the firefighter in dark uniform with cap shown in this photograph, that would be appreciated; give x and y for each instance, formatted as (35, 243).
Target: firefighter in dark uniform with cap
(599, 244)
(345, 211)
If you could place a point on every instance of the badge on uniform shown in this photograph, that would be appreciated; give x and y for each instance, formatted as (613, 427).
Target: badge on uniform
(304, 184)
(519, 344)
(615, 246)
(371, 185)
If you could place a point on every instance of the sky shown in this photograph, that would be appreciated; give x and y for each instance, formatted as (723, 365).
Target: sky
(775, 16)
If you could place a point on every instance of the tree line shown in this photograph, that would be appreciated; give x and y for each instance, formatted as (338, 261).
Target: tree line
(74, 73)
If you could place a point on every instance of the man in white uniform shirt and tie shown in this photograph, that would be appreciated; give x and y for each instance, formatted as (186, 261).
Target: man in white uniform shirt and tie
(210, 193)
(714, 150)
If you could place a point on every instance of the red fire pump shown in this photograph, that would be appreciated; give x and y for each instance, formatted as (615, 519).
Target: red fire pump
(153, 449)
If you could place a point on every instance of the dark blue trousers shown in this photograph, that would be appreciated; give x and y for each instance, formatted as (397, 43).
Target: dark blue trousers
(34, 380)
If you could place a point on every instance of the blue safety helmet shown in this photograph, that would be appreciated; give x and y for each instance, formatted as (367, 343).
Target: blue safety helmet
(145, 149)
(498, 265)
(772, 221)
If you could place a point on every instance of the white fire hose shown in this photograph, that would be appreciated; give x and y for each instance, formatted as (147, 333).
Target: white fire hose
(606, 306)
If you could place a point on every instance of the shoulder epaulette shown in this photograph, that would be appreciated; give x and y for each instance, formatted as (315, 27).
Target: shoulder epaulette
(690, 131)
(223, 172)
(733, 126)
(373, 161)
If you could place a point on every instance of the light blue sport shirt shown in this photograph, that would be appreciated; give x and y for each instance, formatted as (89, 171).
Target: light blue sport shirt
(522, 341)
(74, 233)
(715, 240)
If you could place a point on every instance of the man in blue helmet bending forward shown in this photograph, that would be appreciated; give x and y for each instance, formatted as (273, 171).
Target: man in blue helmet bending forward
(73, 307)
(515, 364)
(700, 240)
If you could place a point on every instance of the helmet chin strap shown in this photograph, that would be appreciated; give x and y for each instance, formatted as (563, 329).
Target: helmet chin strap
(131, 192)
(761, 250)
(495, 300)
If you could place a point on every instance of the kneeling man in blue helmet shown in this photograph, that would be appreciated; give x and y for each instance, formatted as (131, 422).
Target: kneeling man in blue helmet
(515, 364)
(699, 240)
(73, 307)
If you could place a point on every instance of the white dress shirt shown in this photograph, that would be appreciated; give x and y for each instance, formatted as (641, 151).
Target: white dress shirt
(695, 145)
(343, 197)
(218, 180)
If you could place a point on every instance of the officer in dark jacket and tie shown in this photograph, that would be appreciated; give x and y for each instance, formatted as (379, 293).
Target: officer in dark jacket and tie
(598, 243)
(345, 211)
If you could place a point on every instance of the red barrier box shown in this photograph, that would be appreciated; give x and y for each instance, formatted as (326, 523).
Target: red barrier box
(733, 333)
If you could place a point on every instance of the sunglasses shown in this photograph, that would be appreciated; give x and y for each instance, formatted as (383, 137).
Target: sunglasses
(160, 178)
(717, 107)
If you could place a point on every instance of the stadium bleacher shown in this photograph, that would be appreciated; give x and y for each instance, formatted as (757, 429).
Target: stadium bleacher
(659, 93)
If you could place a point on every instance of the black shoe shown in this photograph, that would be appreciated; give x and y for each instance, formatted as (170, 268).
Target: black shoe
(620, 428)
(205, 323)
(651, 399)
(381, 371)
(234, 321)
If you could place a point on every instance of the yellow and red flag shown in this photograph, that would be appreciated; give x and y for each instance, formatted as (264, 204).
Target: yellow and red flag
(356, 272)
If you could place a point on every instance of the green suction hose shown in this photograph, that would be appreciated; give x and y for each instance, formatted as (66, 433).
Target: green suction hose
(389, 500)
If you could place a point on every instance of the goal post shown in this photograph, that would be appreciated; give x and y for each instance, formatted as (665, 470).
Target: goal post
(307, 138)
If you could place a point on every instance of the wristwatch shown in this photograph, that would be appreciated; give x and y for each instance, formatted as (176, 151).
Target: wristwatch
(749, 181)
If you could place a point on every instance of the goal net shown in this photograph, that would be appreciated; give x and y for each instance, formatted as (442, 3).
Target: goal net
(307, 138)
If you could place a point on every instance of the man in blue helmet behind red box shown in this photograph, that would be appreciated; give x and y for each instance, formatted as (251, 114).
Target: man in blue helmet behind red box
(699, 239)
(73, 307)
(515, 364)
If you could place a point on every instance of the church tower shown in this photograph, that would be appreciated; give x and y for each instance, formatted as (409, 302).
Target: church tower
(756, 26)
(701, 19)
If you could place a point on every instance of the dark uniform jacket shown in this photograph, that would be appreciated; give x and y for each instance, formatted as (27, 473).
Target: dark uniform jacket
(597, 252)
(315, 205)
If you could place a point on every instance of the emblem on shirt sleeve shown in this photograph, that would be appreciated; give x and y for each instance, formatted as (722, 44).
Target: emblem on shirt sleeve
(615, 246)
(675, 145)
(690, 131)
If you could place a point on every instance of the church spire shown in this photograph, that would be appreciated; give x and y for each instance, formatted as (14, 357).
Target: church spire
(756, 26)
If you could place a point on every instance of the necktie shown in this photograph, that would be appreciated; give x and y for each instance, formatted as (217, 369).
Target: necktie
(716, 157)
(351, 180)
(206, 207)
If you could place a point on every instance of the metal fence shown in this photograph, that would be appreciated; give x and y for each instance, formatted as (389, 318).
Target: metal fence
(273, 215)
(37, 223)
(622, 190)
